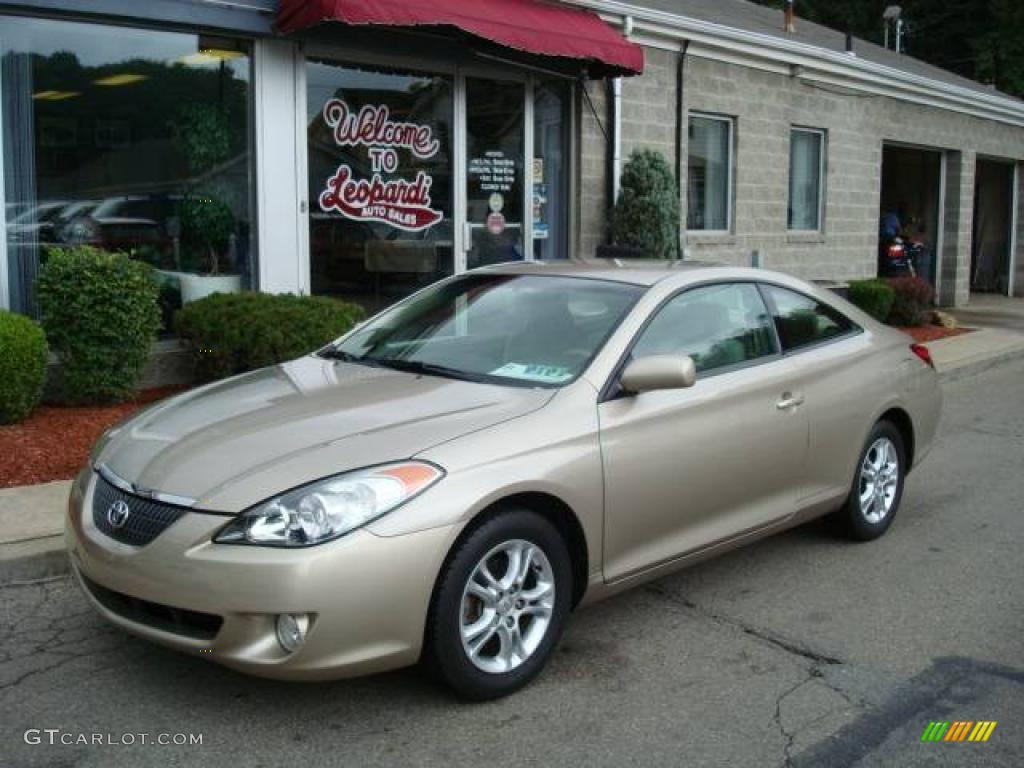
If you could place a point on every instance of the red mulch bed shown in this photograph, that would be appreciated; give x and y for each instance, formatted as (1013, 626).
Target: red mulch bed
(922, 334)
(53, 442)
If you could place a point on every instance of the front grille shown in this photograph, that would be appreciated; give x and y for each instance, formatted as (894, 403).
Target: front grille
(194, 624)
(146, 519)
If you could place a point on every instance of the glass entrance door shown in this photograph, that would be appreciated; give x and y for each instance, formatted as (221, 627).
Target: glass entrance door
(495, 169)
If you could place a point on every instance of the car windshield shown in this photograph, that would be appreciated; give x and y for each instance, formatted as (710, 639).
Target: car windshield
(527, 330)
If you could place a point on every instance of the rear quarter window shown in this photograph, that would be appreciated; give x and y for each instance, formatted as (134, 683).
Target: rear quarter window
(802, 321)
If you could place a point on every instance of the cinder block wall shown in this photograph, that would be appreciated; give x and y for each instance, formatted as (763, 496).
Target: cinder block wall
(765, 105)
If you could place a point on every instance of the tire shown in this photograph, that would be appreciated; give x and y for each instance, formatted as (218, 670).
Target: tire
(534, 609)
(871, 506)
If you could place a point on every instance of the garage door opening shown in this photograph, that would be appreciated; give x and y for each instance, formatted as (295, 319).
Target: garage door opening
(993, 227)
(911, 200)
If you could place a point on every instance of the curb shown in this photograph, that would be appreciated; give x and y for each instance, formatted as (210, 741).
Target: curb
(980, 366)
(45, 557)
(32, 560)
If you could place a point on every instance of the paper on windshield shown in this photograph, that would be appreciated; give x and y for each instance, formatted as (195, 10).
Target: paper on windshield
(545, 374)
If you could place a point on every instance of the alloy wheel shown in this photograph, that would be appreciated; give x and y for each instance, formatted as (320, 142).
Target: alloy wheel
(879, 480)
(507, 606)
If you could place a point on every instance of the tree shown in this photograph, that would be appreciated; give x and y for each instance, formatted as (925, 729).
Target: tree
(979, 39)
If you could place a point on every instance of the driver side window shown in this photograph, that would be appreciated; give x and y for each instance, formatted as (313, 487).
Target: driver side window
(717, 325)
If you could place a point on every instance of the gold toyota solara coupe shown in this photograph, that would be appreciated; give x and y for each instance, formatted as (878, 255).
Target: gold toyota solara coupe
(446, 482)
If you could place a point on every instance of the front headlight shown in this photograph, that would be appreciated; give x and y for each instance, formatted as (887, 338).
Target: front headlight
(330, 508)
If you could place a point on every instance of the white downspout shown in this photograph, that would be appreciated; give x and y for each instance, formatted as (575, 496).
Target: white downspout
(616, 138)
(627, 30)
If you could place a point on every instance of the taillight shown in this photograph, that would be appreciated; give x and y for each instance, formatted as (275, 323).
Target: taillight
(924, 354)
(895, 252)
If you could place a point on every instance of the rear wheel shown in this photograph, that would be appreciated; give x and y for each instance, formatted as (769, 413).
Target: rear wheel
(877, 486)
(500, 606)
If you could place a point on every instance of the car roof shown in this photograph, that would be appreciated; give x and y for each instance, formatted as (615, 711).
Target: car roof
(644, 272)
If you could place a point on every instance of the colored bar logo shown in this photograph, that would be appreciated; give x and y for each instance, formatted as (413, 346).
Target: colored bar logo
(959, 730)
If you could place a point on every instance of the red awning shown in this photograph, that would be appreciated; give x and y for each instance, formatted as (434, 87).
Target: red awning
(534, 26)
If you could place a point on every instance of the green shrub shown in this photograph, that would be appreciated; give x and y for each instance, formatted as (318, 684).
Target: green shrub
(646, 215)
(873, 296)
(101, 315)
(913, 300)
(233, 333)
(23, 355)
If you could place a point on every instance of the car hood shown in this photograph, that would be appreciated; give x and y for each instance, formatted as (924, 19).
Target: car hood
(234, 443)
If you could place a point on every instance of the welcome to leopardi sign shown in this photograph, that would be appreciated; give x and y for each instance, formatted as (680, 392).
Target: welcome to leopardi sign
(398, 202)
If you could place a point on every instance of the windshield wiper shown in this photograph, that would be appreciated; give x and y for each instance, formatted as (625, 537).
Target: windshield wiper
(334, 353)
(430, 369)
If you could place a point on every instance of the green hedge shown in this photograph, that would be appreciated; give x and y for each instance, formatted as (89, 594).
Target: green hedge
(23, 356)
(234, 333)
(101, 316)
(873, 296)
(914, 299)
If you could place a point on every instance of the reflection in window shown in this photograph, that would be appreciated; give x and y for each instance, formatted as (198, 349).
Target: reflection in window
(718, 326)
(380, 176)
(709, 173)
(127, 139)
(526, 329)
(800, 320)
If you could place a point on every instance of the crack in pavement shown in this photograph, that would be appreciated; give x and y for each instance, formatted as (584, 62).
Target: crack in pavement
(49, 633)
(764, 635)
(788, 738)
(814, 670)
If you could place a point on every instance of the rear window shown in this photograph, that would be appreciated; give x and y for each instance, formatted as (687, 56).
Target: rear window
(802, 321)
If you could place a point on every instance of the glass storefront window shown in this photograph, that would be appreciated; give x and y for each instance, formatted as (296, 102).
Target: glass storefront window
(551, 104)
(127, 139)
(380, 175)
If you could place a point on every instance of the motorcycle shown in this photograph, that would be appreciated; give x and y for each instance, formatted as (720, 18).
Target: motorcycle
(899, 258)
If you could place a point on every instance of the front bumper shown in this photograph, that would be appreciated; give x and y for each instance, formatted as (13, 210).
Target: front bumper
(367, 596)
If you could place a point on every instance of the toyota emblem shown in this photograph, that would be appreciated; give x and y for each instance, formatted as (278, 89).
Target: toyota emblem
(117, 513)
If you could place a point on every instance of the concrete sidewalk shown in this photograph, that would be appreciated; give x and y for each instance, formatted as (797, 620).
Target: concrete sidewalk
(998, 335)
(32, 517)
(971, 353)
(31, 531)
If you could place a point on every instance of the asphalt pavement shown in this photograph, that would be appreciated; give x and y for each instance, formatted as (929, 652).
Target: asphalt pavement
(800, 650)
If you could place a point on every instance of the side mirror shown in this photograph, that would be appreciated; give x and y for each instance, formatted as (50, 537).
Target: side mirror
(646, 374)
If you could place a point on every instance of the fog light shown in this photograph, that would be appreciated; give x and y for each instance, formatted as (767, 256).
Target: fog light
(291, 630)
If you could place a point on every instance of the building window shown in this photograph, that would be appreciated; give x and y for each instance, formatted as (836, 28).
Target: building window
(380, 176)
(552, 100)
(709, 174)
(130, 140)
(806, 178)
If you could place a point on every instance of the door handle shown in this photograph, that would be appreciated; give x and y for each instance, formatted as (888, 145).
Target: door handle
(789, 401)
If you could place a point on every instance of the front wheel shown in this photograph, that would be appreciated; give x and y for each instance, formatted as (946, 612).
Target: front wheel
(500, 606)
(877, 486)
